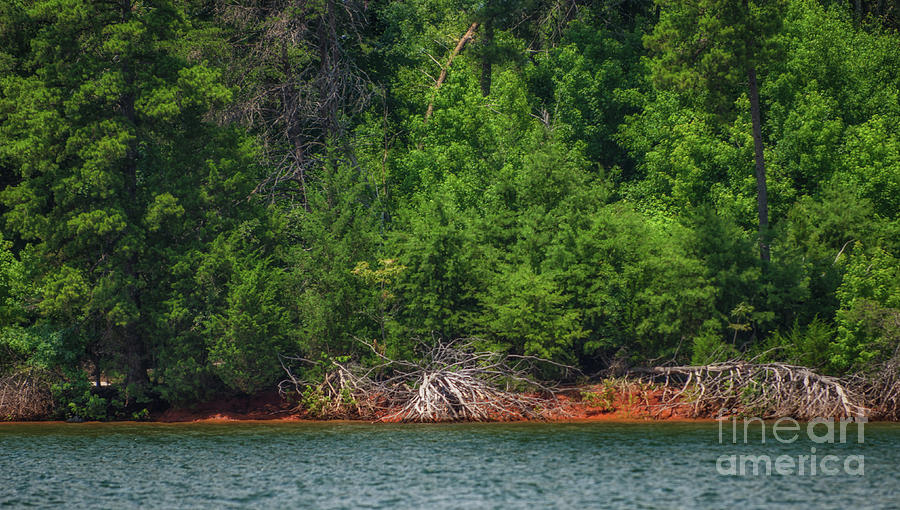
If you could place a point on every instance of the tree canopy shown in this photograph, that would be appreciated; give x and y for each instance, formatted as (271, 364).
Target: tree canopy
(191, 190)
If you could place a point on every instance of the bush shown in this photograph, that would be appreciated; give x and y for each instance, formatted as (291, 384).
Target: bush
(806, 346)
(709, 347)
(868, 318)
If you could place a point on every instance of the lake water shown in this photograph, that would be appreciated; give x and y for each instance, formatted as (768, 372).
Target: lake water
(355, 465)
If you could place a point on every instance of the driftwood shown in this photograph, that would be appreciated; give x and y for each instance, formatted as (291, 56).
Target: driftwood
(346, 391)
(453, 382)
(768, 390)
(882, 391)
(881, 384)
(456, 382)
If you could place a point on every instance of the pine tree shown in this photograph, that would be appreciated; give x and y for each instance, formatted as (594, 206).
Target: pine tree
(713, 49)
(121, 179)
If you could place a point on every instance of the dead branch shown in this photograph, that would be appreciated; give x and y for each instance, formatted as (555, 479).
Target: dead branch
(468, 36)
(298, 83)
(881, 386)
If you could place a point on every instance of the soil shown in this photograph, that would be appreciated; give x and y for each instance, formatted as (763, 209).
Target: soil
(600, 402)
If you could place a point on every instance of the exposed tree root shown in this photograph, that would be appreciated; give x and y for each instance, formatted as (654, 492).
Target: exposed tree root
(768, 390)
(882, 390)
(453, 382)
(24, 395)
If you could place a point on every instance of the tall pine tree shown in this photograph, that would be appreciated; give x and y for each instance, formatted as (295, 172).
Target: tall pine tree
(714, 48)
(120, 179)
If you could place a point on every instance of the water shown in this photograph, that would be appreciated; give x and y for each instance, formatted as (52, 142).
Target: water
(355, 465)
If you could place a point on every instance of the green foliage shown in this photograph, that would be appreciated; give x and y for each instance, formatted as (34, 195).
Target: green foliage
(591, 83)
(527, 313)
(45, 348)
(381, 280)
(604, 399)
(12, 286)
(872, 163)
(253, 329)
(314, 401)
(706, 47)
(188, 193)
(317, 404)
(123, 179)
(806, 345)
(869, 311)
(342, 228)
(635, 282)
(709, 347)
(77, 399)
(93, 408)
(438, 292)
(685, 157)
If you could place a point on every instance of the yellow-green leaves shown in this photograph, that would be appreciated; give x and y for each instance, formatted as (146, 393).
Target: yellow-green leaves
(97, 223)
(164, 206)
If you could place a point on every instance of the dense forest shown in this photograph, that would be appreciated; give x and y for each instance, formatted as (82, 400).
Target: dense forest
(192, 189)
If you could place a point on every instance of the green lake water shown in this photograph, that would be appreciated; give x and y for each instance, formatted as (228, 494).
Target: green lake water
(355, 465)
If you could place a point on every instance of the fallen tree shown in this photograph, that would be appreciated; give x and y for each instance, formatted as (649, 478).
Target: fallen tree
(768, 390)
(468, 36)
(453, 381)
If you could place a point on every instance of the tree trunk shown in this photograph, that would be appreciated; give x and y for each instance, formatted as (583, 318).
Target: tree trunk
(762, 200)
(487, 59)
(133, 343)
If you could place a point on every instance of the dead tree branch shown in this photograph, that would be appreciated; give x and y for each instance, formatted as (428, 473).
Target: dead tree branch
(298, 80)
(468, 36)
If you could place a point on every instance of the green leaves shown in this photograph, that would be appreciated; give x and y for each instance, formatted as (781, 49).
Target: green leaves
(528, 314)
(870, 310)
(598, 203)
(113, 193)
(245, 339)
(872, 163)
(13, 286)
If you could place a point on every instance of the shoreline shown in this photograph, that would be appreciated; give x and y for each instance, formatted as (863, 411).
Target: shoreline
(605, 402)
(300, 420)
(588, 404)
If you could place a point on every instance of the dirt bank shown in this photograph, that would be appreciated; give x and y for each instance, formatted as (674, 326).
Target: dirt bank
(606, 401)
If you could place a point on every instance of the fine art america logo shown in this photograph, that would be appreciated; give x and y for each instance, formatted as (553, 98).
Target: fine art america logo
(787, 431)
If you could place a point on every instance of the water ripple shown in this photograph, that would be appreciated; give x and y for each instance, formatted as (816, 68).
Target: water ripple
(350, 465)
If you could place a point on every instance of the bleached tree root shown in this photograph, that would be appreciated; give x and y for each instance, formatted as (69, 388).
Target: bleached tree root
(24, 395)
(455, 382)
(768, 390)
(882, 389)
(452, 382)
